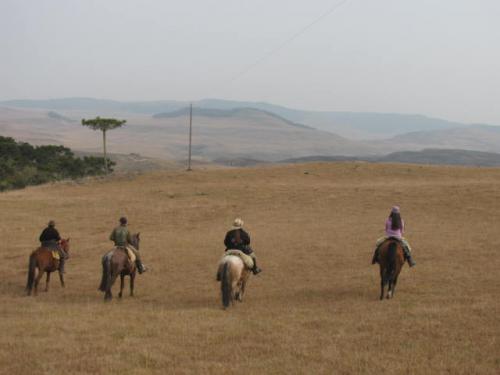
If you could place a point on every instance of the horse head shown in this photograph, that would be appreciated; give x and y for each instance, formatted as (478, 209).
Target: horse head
(65, 244)
(136, 239)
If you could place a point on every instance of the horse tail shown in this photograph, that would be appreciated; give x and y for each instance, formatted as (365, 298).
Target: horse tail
(391, 262)
(105, 274)
(31, 272)
(226, 285)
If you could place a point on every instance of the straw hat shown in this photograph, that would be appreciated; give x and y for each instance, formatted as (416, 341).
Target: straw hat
(238, 223)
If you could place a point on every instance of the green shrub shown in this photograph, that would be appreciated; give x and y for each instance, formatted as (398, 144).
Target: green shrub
(22, 164)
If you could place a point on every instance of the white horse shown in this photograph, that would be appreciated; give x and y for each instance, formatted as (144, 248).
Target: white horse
(233, 276)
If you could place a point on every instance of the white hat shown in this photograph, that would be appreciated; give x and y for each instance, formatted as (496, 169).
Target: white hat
(238, 223)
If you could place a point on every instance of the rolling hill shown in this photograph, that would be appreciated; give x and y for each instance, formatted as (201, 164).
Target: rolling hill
(236, 133)
(354, 125)
(239, 133)
(474, 137)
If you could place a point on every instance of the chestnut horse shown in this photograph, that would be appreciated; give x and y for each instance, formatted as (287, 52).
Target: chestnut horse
(391, 260)
(114, 263)
(43, 260)
(233, 276)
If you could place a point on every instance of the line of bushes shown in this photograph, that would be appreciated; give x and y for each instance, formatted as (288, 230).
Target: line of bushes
(22, 164)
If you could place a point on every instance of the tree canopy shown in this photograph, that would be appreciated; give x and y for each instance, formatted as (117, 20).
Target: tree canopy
(22, 164)
(103, 124)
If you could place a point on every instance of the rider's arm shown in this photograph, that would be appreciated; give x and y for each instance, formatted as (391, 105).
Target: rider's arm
(227, 241)
(245, 238)
(388, 225)
(57, 235)
(112, 236)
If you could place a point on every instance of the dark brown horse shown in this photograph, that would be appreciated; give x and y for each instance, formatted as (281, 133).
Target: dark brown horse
(391, 260)
(114, 263)
(42, 260)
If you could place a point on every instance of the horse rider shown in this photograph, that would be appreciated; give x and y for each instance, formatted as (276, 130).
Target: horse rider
(394, 228)
(49, 239)
(238, 239)
(122, 239)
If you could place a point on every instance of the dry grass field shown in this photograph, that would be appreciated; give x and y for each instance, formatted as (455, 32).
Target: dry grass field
(314, 309)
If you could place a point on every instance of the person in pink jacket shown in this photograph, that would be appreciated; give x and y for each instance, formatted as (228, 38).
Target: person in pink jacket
(394, 228)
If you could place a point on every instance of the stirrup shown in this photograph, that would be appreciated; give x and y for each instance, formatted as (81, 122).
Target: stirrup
(256, 270)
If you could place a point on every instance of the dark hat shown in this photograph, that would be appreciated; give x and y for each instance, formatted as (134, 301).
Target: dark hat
(123, 220)
(52, 223)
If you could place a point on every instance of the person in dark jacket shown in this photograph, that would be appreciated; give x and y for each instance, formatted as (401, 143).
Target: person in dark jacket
(49, 239)
(238, 239)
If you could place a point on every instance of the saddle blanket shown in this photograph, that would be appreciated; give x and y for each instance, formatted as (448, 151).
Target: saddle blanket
(130, 253)
(247, 259)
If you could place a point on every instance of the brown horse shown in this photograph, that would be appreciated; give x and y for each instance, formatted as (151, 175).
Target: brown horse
(42, 260)
(233, 276)
(114, 263)
(391, 260)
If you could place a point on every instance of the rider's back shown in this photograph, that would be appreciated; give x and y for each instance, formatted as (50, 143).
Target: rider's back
(120, 236)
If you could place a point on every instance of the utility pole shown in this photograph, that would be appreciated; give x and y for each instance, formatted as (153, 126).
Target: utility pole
(190, 134)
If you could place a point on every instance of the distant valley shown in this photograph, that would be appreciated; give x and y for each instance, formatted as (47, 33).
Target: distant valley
(232, 132)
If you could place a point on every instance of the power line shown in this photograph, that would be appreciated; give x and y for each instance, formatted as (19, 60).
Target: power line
(287, 41)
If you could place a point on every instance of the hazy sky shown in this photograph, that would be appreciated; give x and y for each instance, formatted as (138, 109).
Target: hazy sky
(433, 57)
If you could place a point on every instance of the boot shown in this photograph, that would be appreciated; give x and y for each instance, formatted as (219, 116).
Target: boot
(62, 262)
(140, 267)
(255, 269)
(375, 256)
(408, 257)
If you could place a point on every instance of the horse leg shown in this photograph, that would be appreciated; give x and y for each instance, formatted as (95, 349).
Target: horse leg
(61, 279)
(132, 278)
(108, 296)
(122, 282)
(394, 285)
(47, 282)
(389, 289)
(382, 285)
(37, 280)
(242, 291)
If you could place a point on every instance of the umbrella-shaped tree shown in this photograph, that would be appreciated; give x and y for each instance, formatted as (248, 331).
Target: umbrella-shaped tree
(103, 124)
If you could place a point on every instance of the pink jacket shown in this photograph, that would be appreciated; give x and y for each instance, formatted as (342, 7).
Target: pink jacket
(389, 232)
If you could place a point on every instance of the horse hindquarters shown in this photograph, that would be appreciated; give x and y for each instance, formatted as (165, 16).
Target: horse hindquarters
(113, 275)
(388, 266)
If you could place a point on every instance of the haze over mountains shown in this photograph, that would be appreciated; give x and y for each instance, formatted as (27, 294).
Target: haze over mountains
(231, 130)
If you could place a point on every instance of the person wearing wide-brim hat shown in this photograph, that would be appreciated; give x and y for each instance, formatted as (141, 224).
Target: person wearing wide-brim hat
(49, 239)
(237, 238)
(122, 238)
(394, 228)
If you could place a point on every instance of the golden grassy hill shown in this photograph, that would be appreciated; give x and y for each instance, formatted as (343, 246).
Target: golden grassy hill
(314, 309)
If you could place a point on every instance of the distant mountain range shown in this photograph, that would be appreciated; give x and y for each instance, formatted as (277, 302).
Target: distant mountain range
(353, 125)
(234, 132)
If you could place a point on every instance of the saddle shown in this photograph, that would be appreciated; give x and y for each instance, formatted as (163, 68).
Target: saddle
(130, 253)
(54, 252)
(247, 260)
